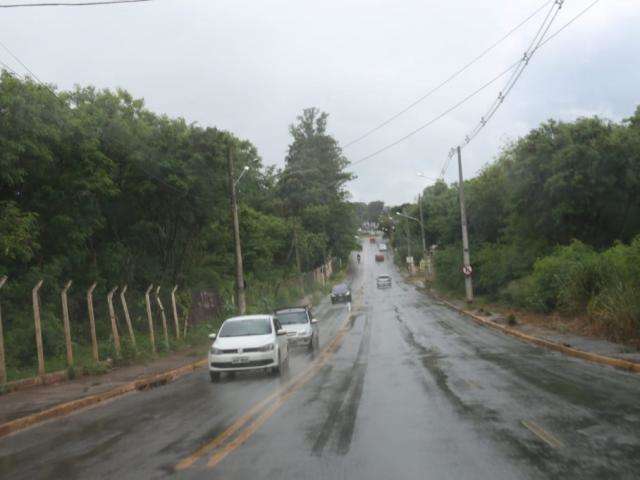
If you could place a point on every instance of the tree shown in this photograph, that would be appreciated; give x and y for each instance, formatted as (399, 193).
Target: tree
(311, 187)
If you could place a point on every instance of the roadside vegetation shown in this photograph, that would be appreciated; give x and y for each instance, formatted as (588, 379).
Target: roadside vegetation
(94, 187)
(554, 224)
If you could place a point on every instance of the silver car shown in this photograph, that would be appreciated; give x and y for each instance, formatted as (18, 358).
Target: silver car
(383, 281)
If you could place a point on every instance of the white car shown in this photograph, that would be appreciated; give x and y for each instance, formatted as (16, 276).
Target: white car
(382, 247)
(383, 281)
(249, 342)
(301, 327)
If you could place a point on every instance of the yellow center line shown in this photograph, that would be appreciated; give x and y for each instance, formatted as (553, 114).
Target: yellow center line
(284, 393)
(542, 434)
(243, 436)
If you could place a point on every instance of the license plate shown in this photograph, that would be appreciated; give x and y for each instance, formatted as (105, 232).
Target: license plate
(240, 360)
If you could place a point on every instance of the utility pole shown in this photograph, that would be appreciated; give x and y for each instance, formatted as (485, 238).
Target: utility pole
(406, 228)
(468, 284)
(240, 299)
(424, 240)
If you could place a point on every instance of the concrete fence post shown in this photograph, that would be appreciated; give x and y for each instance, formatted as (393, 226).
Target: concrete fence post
(65, 322)
(112, 317)
(92, 322)
(35, 295)
(165, 330)
(127, 317)
(3, 366)
(186, 322)
(152, 337)
(174, 310)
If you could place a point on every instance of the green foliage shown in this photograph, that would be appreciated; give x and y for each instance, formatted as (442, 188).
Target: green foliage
(544, 219)
(95, 187)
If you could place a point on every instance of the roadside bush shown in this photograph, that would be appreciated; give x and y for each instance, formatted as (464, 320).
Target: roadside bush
(495, 265)
(448, 265)
(565, 280)
(616, 306)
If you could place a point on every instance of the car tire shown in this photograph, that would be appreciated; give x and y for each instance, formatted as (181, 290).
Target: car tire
(277, 370)
(214, 376)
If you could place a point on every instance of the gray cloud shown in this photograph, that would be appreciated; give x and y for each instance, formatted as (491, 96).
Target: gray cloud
(251, 67)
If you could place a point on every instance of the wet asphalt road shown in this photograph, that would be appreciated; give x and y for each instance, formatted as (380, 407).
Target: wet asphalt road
(402, 388)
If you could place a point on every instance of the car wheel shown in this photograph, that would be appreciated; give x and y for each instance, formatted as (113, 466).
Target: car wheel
(277, 370)
(215, 377)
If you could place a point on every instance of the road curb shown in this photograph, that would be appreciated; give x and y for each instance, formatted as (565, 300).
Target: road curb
(548, 344)
(75, 405)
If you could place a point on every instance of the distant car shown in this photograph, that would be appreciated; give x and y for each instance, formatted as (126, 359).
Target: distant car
(249, 342)
(382, 247)
(301, 327)
(340, 293)
(383, 281)
(372, 239)
(379, 257)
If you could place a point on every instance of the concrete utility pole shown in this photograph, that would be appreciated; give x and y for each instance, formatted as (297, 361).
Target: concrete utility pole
(240, 298)
(409, 253)
(468, 284)
(424, 240)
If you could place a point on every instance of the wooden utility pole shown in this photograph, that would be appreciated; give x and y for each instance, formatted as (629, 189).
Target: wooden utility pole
(240, 297)
(468, 285)
(65, 323)
(3, 367)
(92, 322)
(38, 326)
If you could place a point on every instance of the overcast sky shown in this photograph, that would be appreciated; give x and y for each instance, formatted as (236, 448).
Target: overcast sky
(252, 66)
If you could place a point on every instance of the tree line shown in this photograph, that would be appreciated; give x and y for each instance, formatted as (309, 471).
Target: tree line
(553, 222)
(95, 187)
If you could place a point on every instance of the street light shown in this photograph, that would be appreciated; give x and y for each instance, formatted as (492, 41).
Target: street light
(244, 170)
(408, 238)
(241, 303)
(408, 216)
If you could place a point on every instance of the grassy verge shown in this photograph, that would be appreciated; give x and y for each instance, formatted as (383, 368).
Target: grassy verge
(261, 298)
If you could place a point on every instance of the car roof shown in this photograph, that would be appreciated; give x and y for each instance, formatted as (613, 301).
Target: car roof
(292, 309)
(249, 317)
(340, 286)
(384, 276)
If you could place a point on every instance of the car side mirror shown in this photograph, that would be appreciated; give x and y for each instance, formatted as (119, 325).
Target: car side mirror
(281, 332)
(212, 336)
(314, 320)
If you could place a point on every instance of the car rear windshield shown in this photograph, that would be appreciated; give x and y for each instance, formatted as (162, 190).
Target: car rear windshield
(242, 328)
(292, 318)
(341, 288)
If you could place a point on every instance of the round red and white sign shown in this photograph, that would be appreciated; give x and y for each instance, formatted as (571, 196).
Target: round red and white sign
(467, 270)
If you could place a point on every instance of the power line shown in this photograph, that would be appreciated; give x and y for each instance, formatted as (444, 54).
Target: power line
(19, 61)
(438, 117)
(518, 63)
(541, 41)
(448, 79)
(70, 4)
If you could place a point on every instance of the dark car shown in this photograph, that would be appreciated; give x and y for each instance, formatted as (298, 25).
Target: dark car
(301, 327)
(340, 293)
